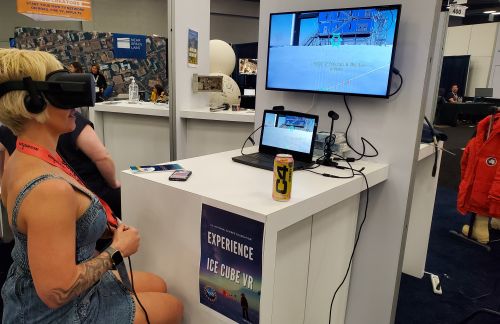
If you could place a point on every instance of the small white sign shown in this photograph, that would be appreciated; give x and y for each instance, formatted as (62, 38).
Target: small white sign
(123, 42)
(460, 2)
(457, 10)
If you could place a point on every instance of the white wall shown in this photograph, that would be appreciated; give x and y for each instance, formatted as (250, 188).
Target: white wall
(146, 17)
(436, 66)
(195, 15)
(234, 21)
(394, 127)
(478, 41)
(234, 29)
(495, 69)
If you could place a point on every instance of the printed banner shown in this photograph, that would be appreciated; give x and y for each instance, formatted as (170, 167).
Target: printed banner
(129, 46)
(192, 48)
(231, 264)
(56, 9)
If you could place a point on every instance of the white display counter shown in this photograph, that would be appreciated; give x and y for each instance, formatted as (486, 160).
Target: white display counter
(212, 132)
(307, 241)
(134, 134)
(422, 209)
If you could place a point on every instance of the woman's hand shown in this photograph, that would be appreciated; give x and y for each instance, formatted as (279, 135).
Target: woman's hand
(126, 240)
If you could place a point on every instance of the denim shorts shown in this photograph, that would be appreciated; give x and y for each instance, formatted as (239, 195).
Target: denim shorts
(108, 301)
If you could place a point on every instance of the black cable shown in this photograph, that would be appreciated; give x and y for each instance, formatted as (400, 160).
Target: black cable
(434, 143)
(355, 243)
(364, 141)
(400, 84)
(249, 138)
(133, 290)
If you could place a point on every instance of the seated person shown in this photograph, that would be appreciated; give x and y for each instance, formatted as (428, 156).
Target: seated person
(87, 157)
(75, 67)
(158, 94)
(55, 275)
(453, 95)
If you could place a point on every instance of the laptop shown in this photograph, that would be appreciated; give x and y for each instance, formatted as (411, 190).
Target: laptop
(287, 132)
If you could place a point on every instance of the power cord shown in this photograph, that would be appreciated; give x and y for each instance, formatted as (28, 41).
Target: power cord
(133, 290)
(396, 71)
(435, 144)
(355, 243)
(249, 138)
(364, 141)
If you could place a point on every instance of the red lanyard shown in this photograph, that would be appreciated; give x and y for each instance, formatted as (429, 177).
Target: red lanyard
(43, 154)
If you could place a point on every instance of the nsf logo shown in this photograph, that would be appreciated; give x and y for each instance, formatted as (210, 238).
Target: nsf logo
(211, 294)
(491, 161)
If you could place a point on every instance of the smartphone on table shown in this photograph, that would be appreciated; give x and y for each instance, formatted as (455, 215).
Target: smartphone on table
(180, 175)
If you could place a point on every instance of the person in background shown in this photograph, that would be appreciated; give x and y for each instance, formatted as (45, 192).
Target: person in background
(100, 82)
(453, 95)
(84, 152)
(158, 94)
(56, 277)
(75, 67)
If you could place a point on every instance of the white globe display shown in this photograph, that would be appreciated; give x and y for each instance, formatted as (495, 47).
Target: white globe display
(222, 57)
(230, 95)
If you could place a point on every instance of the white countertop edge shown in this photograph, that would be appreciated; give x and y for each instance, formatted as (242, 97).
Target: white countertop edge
(234, 116)
(426, 150)
(134, 109)
(282, 217)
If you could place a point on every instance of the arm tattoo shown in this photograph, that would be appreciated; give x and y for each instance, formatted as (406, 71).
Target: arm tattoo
(88, 274)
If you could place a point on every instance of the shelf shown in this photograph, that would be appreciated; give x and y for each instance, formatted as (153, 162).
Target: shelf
(141, 108)
(224, 115)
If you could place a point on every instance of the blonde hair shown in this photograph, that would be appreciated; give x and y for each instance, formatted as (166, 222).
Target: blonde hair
(15, 65)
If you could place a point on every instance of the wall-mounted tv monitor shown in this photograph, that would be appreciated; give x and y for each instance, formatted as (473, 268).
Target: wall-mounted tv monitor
(341, 51)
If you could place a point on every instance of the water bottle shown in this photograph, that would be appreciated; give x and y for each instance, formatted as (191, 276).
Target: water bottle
(133, 91)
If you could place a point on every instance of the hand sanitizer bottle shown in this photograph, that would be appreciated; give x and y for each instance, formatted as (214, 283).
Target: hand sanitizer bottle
(133, 91)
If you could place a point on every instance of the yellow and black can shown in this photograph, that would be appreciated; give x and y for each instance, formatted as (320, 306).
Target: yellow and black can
(282, 179)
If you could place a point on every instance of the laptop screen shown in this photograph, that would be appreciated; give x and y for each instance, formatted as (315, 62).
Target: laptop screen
(289, 132)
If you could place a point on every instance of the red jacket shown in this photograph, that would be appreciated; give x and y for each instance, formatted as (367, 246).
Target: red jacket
(479, 190)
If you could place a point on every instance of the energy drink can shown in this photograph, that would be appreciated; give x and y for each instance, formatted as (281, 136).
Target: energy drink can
(282, 179)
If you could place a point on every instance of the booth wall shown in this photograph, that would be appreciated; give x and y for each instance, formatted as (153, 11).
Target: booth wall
(233, 29)
(97, 48)
(129, 16)
(185, 15)
(234, 21)
(495, 69)
(393, 126)
(478, 41)
(146, 17)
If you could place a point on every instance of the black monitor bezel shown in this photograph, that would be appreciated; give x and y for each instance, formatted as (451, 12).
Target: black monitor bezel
(389, 81)
(299, 156)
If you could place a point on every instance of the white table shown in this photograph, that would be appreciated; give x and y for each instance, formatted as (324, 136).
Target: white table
(307, 241)
(212, 132)
(134, 134)
(422, 209)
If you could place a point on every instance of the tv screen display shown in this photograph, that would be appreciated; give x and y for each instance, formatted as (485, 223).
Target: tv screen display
(343, 51)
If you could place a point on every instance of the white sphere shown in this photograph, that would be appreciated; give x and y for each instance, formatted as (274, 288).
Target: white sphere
(222, 57)
(230, 92)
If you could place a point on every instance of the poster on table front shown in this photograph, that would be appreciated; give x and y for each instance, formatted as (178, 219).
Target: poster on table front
(231, 264)
(192, 48)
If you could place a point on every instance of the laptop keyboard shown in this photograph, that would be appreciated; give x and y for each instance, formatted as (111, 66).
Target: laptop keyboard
(264, 161)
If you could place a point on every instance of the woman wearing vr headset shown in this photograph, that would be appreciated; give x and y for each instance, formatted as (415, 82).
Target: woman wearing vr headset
(56, 276)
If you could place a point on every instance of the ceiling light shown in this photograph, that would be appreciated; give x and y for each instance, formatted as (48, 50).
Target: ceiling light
(495, 13)
(489, 12)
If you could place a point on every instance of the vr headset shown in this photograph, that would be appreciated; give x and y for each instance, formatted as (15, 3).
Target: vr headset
(62, 89)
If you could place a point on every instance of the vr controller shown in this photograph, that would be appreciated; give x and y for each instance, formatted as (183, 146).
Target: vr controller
(62, 89)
